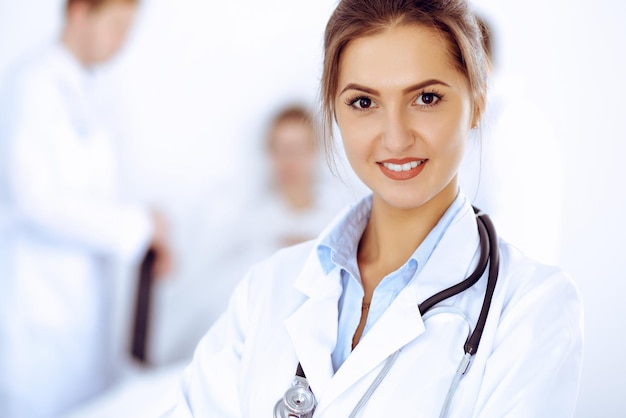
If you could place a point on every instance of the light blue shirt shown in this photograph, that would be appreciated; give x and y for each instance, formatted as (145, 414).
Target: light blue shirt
(339, 249)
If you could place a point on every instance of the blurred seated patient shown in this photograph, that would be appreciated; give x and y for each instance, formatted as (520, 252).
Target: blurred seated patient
(61, 224)
(294, 207)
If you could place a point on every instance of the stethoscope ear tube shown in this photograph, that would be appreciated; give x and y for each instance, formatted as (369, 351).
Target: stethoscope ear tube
(485, 227)
(471, 346)
(463, 366)
(481, 266)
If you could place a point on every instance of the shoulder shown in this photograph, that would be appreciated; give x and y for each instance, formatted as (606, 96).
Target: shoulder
(525, 273)
(533, 349)
(537, 288)
(284, 265)
(33, 66)
(268, 292)
(30, 81)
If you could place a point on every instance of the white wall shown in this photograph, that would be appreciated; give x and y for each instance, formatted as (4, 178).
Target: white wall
(571, 55)
(199, 78)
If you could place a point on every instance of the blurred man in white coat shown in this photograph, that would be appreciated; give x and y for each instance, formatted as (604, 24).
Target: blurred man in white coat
(60, 221)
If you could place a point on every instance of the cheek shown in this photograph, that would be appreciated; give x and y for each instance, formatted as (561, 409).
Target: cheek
(113, 42)
(449, 134)
(355, 146)
(100, 42)
(357, 133)
(111, 36)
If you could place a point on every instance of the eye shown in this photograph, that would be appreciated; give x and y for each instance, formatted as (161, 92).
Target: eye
(428, 99)
(361, 103)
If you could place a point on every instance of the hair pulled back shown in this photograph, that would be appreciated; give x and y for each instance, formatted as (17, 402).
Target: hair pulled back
(453, 19)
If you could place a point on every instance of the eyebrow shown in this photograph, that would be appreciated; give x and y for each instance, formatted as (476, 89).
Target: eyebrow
(418, 86)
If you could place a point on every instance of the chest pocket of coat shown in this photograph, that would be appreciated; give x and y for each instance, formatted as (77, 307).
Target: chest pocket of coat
(419, 380)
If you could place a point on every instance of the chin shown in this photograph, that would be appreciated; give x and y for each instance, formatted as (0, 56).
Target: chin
(404, 201)
(417, 196)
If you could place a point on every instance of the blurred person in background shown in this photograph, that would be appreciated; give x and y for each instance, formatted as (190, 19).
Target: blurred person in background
(295, 206)
(286, 201)
(513, 168)
(63, 225)
(239, 231)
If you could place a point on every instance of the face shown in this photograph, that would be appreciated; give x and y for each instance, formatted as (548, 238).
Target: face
(292, 152)
(404, 113)
(107, 28)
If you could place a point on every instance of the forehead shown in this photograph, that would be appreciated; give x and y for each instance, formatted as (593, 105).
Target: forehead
(291, 127)
(398, 56)
(113, 9)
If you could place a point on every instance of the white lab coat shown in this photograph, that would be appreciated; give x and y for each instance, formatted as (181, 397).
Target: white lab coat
(285, 310)
(61, 224)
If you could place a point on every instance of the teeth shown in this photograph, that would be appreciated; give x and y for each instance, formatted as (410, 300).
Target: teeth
(403, 167)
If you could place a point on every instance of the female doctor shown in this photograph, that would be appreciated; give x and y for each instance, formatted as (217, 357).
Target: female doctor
(347, 313)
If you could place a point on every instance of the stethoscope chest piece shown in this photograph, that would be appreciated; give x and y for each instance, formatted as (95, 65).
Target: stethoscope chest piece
(298, 402)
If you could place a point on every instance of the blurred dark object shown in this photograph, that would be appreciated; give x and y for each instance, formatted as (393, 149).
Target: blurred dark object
(142, 307)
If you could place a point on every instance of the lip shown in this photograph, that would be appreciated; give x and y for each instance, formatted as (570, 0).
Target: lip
(402, 175)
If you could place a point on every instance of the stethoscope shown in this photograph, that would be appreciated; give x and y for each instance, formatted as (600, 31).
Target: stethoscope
(299, 401)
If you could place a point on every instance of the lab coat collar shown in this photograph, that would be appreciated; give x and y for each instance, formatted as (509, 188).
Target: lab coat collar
(313, 327)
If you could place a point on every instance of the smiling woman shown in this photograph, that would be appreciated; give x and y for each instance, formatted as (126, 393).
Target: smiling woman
(400, 115)
(350, 313)
(404, 131)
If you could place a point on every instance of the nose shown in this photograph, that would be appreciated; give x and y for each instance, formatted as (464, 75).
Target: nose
(397, 135)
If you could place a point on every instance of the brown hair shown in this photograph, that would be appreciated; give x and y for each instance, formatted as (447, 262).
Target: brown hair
(295, 113)
(96, 4)
(487, 38)
(354, 19)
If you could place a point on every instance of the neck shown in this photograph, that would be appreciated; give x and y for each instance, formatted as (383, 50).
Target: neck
(392, 235)
(298, 197)
(72, 42)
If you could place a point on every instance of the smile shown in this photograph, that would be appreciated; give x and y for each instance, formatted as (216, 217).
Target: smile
(403, 167)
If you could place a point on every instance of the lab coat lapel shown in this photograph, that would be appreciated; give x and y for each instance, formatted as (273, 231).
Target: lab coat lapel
(453, 259)
(313, 327)
(402, 322)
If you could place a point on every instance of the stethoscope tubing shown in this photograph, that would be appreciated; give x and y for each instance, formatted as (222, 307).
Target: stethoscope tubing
(471, 347)
(460, 287)
(370, 391)
(489, 255)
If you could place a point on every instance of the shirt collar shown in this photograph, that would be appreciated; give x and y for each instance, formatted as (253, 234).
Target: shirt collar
(339, 244)
(337, 247)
